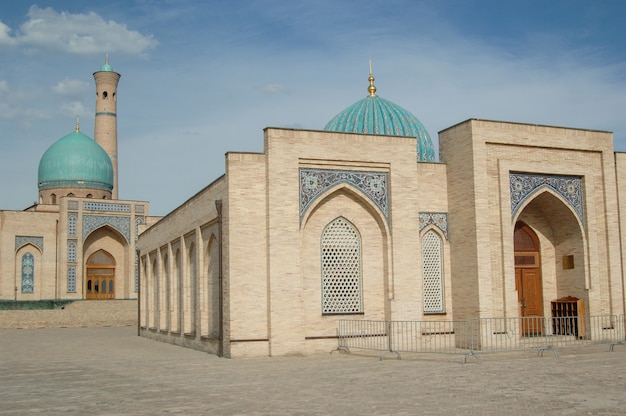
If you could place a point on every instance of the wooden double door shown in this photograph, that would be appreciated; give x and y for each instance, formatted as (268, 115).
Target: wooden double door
(100, 277)
(528, 282)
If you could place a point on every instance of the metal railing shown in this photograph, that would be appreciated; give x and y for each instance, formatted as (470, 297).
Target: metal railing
(481, 335)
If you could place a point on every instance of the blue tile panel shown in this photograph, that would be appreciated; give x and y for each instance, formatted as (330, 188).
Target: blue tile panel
(28, 273)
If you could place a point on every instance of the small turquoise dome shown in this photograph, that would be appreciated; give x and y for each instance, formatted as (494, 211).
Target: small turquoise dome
(75, 161)
(106, 67)
(375, 115)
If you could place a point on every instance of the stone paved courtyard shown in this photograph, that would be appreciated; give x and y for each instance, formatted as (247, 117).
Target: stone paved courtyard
(111, 371)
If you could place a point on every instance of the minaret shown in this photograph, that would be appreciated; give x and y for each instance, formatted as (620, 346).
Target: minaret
(105, 126)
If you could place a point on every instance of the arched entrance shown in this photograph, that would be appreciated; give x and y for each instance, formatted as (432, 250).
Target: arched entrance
(100, 280)
(528, 279)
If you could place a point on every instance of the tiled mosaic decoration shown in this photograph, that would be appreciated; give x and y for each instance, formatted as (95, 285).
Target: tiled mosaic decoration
(314, 182)
(523, 185)
(28, 273)
(438, 219)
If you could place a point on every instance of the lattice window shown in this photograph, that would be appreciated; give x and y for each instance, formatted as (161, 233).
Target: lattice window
(341, 268)
(71, 252)
(432, 266)
(71, 279)
(28, 273)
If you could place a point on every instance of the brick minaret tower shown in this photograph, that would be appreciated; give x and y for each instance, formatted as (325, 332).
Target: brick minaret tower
(105, 128)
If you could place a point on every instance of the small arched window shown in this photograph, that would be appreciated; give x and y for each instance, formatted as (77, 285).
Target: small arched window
(340, 247)
(432, 272)
(53, 199)
(71, 253)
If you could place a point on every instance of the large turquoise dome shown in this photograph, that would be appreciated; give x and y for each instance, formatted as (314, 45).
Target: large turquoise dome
(75, 161)
(375, 115)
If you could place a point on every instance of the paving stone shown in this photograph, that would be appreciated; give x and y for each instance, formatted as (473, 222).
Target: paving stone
(112, 371)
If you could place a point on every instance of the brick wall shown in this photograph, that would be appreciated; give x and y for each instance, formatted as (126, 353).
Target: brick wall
(83, 313)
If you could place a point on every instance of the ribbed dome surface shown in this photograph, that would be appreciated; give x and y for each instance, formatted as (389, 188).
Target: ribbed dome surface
(75, 161)
(375, 115)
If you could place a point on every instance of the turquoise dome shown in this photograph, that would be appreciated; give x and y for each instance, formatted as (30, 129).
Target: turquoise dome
(375, 115)
(75, 161)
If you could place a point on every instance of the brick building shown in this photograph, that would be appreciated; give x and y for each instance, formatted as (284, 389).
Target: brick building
(359, 221)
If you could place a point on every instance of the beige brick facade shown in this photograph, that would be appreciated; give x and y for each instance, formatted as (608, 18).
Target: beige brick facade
(260, 291)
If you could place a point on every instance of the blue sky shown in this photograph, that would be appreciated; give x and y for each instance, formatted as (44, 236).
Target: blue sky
(201, 78)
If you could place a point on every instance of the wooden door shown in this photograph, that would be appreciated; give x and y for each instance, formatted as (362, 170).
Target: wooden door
(528, 280)
(530, 297)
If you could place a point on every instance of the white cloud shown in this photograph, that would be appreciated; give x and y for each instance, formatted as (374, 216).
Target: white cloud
(274, 89)
(75, 108)
(69, 86)
(5, 35)
(76, 33)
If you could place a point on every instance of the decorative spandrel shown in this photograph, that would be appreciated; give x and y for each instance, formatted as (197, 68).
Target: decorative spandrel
(92, 222)
(313, 182)
(438, 219)
(523, 185)
(21, 240)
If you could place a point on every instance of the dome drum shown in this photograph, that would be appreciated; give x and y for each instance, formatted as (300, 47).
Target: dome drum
(73, 183)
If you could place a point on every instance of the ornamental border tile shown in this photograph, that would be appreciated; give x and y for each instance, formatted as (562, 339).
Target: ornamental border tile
(437, 219)
(106, 206)
(139, 219)
(313, 182)
(92, 222)
(523, 185)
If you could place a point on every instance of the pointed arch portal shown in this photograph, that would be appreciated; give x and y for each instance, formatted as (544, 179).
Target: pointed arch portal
(100, 280)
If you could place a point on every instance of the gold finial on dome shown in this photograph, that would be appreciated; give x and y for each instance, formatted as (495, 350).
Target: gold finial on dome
(372, 88)
(106, 60)
(77, 125)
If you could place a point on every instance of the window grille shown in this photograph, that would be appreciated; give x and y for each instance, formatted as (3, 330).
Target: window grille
(71, 253)
(71, 225)
(341, 268)
(432, 266)
(71, 279)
